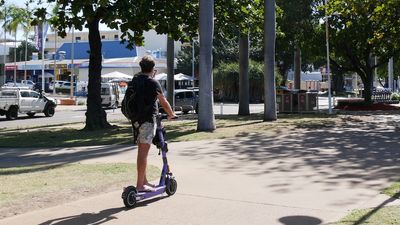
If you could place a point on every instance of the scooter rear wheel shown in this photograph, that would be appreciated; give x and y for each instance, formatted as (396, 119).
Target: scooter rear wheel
(171, 186)
(129, 196)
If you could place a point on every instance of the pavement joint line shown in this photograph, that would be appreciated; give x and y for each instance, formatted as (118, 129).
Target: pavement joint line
(260, 203)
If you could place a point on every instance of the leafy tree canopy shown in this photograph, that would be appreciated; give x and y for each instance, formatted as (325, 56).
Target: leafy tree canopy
(179, 19)
(21, 51)
(360, 30)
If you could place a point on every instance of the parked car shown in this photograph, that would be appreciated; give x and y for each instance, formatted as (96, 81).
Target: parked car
(186, 100)
(66, 85)
(24, 83)
(112, 94)
(28, 83)
(56, 84)
(14, 100)
(38, 87)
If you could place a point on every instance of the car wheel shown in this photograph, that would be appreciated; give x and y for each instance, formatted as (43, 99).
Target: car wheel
(49, 111)
(12, 113)
(31, 114)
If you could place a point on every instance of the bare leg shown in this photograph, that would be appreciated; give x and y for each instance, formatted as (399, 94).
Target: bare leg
(143, 152)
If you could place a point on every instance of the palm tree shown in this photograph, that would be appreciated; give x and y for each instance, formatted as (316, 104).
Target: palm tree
(3, 15)
(244, 75)
(269, 61)
(27, 27)
(170, 72)
(206, 121)
(17, 16)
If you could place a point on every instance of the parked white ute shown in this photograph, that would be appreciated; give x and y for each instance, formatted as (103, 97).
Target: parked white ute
(22, 100)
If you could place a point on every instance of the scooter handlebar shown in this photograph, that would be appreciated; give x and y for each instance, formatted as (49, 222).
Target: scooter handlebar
(165, 116)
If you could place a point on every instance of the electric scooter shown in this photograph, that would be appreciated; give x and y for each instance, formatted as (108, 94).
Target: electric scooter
(167, 182)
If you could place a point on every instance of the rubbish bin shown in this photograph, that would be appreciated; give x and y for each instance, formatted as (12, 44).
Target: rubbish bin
(302, 102)
(312, 101)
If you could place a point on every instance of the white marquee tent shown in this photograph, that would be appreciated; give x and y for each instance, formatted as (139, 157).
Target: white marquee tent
(177, 77)
(116, 75)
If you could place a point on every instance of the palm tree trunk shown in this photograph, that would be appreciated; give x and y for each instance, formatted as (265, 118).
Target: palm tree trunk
(269, 61)
(206, 121)
(96, 117)
(170, 72)
(244, 75)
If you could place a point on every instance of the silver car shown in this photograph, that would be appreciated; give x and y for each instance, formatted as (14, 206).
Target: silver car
(186, 100)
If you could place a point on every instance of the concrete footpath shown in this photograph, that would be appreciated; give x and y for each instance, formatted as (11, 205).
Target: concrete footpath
(309, 177)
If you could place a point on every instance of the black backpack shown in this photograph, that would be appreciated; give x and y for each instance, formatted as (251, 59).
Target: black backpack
(133, 105)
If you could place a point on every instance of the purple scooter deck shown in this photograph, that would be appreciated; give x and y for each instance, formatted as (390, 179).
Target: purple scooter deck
(145, 195)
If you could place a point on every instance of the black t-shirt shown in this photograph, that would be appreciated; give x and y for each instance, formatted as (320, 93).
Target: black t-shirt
(151, 88)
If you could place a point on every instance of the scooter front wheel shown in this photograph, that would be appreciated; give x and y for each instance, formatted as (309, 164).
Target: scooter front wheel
(129, 196)
(171, 186)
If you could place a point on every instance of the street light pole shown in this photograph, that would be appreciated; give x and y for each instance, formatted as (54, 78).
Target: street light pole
(5, 45)
(71, 94)
(193, 62)
(328, 70)
(55, 60)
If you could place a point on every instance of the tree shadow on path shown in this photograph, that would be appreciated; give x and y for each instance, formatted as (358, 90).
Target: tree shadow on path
(53, 157)
(97, 218)
(353, 153)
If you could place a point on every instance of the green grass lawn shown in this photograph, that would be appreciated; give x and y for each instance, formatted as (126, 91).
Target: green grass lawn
(383, 216)
(70, 135)
(24, 188)
(393, 190)
(389, 215)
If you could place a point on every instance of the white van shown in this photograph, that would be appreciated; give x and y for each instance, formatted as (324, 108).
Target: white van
(112, 94)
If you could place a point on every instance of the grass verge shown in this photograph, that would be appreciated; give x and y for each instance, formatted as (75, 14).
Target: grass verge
(383, 216)
(393, 190)
(184, 130)
(26, 188)
(389, 215)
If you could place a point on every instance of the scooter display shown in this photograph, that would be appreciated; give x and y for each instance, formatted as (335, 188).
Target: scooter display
(167, 181)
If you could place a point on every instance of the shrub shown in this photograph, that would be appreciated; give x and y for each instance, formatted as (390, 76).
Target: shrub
(226, 81)
(395, 96)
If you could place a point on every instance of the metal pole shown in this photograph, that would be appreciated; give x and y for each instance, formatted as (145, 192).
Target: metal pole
(55, 61)
(26, 56)
(390, 75)
(71, 94)
(5, 44)
(43, 56)
(193, 62)
(328, 70)
(26, 41)
(15, 57)
(375, 80)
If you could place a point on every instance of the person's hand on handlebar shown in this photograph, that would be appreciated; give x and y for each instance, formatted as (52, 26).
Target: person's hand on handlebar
(172, 117)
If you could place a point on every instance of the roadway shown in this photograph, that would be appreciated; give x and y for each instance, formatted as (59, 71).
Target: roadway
(76, 114)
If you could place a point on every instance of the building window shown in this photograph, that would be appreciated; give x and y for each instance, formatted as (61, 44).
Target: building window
(77, 38)
(47, 39)
(116, 37)
(103, 36)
